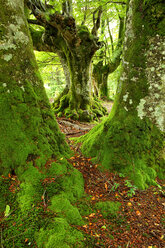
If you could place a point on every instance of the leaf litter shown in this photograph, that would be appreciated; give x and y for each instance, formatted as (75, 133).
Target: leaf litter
(141, 219)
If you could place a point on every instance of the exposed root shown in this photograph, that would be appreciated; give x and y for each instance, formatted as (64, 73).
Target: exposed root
(64, 107)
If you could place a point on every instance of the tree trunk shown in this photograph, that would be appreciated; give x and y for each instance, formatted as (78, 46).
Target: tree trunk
(28, 128)
(100, 75)
(41, 183)
(131, 139)
(76, 100)
(77, 47)
(101, 71)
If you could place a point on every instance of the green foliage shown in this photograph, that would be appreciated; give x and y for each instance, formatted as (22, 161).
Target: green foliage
(52, 73)
(108, 209)
(132, 189)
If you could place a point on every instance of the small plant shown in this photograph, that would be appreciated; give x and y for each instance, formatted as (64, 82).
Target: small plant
(121, 175)
(132, 189)
(115, 186)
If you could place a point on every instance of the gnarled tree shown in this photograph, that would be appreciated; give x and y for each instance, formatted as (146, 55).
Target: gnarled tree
(76, 46)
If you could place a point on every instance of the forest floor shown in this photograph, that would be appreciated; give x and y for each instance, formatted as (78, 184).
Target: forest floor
(140, 221)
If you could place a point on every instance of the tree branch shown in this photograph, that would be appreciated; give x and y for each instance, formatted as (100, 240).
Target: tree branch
(96, 21)
(110, 35)
(116, 2)
(36, 22)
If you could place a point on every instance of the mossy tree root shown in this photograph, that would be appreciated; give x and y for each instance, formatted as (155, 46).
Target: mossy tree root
(68, 107)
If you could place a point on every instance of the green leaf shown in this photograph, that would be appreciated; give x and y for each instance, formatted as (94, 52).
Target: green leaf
(7, 210)
(103, 227)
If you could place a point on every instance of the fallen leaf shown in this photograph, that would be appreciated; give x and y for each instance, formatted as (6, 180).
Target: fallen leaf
(97, 235)
(106, 186)
(72, 158)
(162, 237)
(7, 211)
(138, 213)
(103, 227)
(129, 204)
(91, 215)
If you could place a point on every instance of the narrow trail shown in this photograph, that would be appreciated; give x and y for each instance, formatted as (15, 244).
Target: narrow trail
(140, 221)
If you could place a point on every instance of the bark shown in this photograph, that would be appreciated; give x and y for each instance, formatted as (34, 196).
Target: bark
(28, 128)
(76, 46)
(131, 139)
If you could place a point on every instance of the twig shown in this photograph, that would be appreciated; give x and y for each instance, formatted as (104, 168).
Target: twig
(43, 198)
(128, 244)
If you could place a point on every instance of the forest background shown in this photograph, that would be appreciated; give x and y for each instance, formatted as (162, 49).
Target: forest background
(43, 203)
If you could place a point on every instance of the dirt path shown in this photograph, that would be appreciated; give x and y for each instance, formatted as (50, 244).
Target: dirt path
(140, 221)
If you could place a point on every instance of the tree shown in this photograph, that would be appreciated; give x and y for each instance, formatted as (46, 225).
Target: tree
(28, 127)
(32, 148)
(108, 65)
(75, 45)
(131, 139)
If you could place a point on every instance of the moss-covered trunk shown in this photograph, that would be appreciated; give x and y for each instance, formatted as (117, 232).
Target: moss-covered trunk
(131, 139)
(41, 185)
(77, 101)
(28, 127)
(100, 75)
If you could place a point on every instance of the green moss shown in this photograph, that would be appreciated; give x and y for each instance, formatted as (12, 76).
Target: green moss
(108, 209)
(83, 33)
(57, 187)
(73, 184)
(63, 208)
(60, 235)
